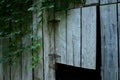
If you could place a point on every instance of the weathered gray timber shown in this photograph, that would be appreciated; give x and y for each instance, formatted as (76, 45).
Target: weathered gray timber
(48, 32)
(60, 37)
(46, 44)
(38, 71)
(16, 69)
(76, 34)
(16, 72)
(26, 59)
(119, 37)
(70, 37)
(107, 1)
(1, 65)
(6, 67)
(89, 37)
(73, 37)
(109, 42)
(89, 2)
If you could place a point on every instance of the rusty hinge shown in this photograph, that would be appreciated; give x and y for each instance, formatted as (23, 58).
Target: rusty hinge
(54, 56)
(52, 60)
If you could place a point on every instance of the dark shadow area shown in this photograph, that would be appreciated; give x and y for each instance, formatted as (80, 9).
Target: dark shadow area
(65, 72)
(98, 46)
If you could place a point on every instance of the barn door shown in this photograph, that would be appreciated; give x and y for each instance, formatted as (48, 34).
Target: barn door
(75, 37)
(69, 38)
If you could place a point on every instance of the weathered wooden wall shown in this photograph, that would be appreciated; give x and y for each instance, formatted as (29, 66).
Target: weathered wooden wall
(70, 37)
(70, 41)
(109, 42)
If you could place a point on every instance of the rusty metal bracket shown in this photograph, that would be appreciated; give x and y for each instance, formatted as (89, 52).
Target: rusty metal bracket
(52, 60)
(54, 56)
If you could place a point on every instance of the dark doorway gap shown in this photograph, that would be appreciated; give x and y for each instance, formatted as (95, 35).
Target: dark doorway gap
(98, 46)
(65, 72)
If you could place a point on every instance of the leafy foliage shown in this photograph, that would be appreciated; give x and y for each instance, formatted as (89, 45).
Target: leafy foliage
(15, 21)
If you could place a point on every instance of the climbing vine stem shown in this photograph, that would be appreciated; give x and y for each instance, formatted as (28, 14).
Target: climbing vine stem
(15, 25)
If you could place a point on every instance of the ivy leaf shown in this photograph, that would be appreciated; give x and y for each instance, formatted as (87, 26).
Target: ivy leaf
(31, 8)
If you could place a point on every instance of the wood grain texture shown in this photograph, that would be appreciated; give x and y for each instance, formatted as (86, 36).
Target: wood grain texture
(89, 37)
(48, 32)
(73, 37)
(16, 69)
(38, 71)
(89, 2)
(26, 59)
(60, 37)
(119, 38)
(107, 1)
(109, 42)
(16, 72)
(27, 73)
(6, 71)
(46, 45)
(6, 67)
(76, 34)
(1, 65)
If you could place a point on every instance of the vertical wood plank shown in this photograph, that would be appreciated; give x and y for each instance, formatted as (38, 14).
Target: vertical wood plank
(26, 59)
(38, 71)
(46, 45)
(107, 1)
(48, 32)
(15, 75)
(89, 37)
(76, 35)
(69, 38)
(89, 2)
(6, 67)
(73, 37)
(51, 30)
(16, 69)
(109, 43)
(1, 64)
(27, 55)
(119, 38)
(60, 37)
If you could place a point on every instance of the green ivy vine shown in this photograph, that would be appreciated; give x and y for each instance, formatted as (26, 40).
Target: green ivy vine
(15, 25)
